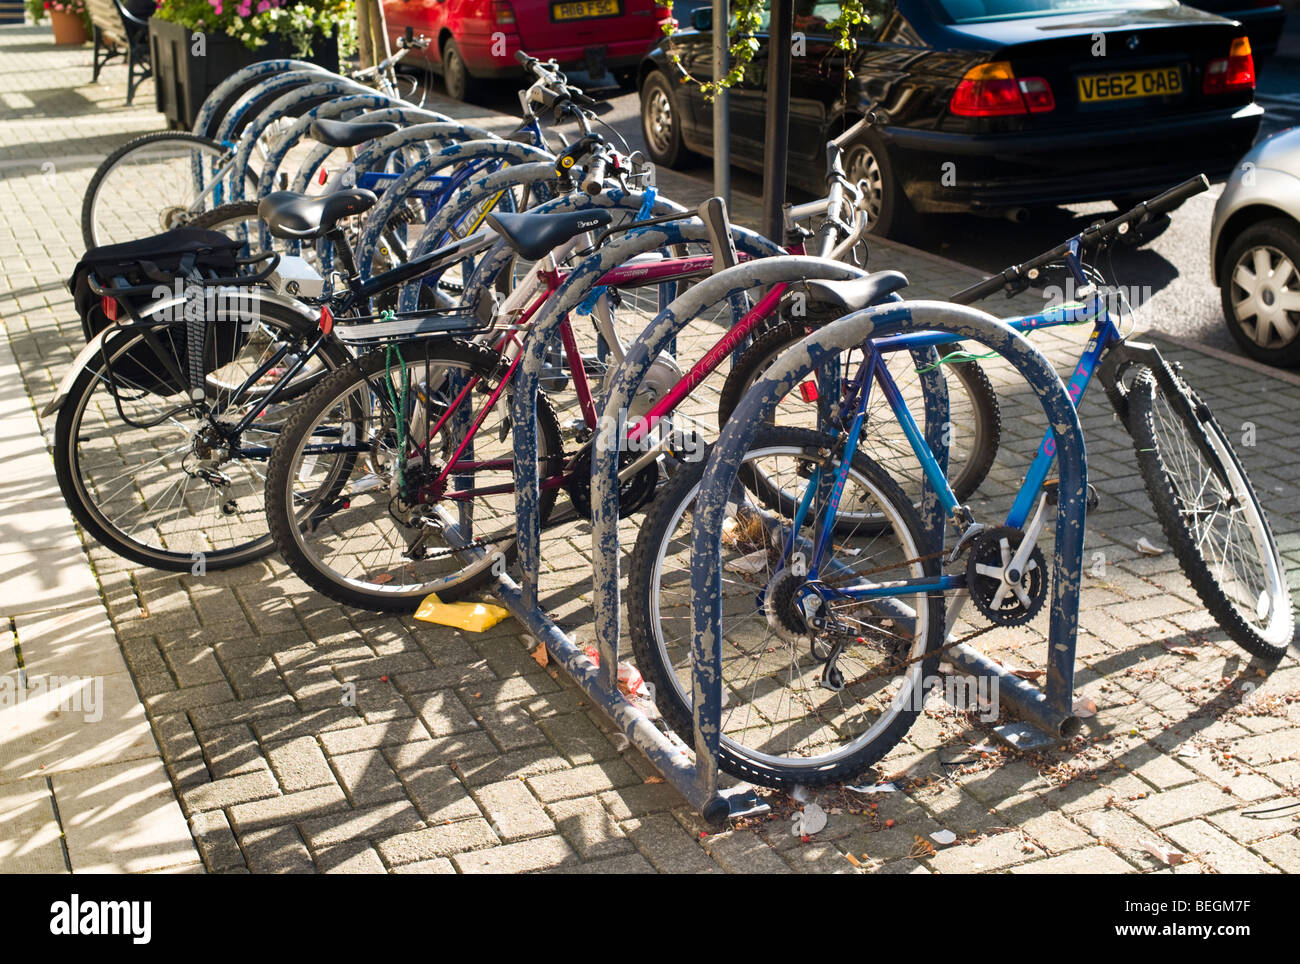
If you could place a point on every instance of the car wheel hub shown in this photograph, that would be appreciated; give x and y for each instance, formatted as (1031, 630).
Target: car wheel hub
(659, 121)
(1266, 297)
(864, 168)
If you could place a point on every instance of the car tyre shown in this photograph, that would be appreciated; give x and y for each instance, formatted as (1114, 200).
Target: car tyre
(460, 83)
(1259, 281)
(661, 122)
(889, 210)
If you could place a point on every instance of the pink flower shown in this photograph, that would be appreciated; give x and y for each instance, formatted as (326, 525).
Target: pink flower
(216, 6)
(244, 8)
(264, 6)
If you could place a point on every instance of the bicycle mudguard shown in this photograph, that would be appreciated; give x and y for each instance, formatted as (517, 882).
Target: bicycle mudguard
(1122, 356)
(88, 351)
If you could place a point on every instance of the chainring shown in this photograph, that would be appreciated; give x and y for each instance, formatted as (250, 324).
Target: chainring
(632, 493)
(1002, 601)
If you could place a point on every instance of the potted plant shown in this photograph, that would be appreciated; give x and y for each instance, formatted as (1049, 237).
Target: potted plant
(196, 44)
(69, 19)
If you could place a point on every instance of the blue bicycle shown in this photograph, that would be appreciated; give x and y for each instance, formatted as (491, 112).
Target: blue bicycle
(836, 607)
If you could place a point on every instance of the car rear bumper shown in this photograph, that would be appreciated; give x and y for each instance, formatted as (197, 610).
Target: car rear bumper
(479, 56)
(944, 171)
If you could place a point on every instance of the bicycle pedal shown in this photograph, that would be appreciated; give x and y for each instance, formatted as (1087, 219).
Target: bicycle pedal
(1051, 488)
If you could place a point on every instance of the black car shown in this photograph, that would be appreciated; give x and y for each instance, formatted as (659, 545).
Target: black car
(990, 106)
(1262, 21)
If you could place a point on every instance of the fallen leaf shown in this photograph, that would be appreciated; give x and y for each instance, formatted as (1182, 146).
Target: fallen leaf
(1164, 853)
(943, 837)
(540, 656)
(872, 788)
(653, 778)
(1148, 548)
(1029, 674)
(1084, 707)
(382, 579)
(1180, 650)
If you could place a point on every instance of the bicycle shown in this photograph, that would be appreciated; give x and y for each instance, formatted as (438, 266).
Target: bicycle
(835, 627)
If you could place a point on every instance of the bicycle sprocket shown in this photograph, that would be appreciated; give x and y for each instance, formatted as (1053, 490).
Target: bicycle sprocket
(1005, 598)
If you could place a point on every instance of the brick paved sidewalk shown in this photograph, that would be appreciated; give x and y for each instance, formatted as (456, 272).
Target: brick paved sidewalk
(462, 754)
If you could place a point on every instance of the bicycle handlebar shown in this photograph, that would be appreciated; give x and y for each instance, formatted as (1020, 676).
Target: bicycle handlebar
(593, 182)
(1096, 234)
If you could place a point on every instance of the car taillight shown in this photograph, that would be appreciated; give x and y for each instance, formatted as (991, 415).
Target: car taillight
(503, 13)
(1231, 73)
(993, 90)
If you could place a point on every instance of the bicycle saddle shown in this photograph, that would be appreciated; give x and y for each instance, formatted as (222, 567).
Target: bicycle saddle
(298, 217)
(533, 235)
(340, 133)
(847, 296)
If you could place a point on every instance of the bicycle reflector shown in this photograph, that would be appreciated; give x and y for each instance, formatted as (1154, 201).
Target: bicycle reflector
(109, 304)
(1235, 72)
(326, 320)
(992, 90)
(808, 391)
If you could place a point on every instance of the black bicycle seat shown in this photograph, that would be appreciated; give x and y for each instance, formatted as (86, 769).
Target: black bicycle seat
(860, 293)
(340, 133)
(533, 235)
(299, 217)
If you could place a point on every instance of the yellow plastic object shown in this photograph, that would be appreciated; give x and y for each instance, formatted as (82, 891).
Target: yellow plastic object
(474, 617)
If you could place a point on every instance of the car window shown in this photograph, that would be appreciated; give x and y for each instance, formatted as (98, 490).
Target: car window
(977, 11)
(812, 17)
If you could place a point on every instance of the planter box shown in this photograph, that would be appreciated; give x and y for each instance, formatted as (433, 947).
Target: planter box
(183, 81)
(69, 28)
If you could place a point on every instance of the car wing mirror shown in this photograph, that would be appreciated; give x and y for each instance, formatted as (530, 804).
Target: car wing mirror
(702, 18)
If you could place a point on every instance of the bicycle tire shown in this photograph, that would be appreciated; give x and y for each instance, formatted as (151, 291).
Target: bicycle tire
(166, 189)
(330, 502)
(669, 676)
(1154, 424)
(170, 542)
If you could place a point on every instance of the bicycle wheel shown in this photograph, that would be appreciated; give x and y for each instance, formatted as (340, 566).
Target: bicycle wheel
(372, 520)
(975, 425)
(780, 723)
(1211, 516)
(152, 184)
(153, 479)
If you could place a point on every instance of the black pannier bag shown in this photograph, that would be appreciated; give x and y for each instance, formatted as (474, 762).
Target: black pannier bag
(132, 274)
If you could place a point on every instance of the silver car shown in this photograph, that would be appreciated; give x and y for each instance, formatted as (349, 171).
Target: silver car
(1255, 250)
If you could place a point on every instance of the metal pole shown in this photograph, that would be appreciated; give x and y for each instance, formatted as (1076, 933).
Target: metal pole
(777, 133)
(721, 103)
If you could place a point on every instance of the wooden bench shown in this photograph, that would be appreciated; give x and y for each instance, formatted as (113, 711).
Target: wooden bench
(120, 33)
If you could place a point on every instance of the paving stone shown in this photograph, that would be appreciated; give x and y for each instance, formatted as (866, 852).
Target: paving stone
(1092, 860)
(1283, 852)
(291, 807)
(580, 781)
(1175, 806)
(277, 850)
(369, 823)
(513, 811)
(994, 853)
(589, 828)
(743, 853)
(216, 841)
(441, 865)
(542, 853)
(1215, 849)
(441, 841)
(350, 858)
(663, 841)
(230, 791)
(367, 778)
(299, 764)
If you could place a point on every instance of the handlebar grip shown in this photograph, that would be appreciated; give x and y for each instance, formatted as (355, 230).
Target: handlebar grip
(522, 58)
(1177, 195)
(713, 212)
(979, 290)
(594, 181)
(852, 132)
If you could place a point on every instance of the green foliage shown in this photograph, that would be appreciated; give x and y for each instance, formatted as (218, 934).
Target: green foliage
(748, 20)
(255, 22)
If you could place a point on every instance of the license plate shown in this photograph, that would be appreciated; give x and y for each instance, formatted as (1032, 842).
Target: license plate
(1130, 85)
(585, 9)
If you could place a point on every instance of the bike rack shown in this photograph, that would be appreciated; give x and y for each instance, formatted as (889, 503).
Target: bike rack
(419, 131)
(1049, 711)
(695, 780)
(243, 80)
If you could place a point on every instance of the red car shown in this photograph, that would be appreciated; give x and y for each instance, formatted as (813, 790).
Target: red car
(472, 40)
